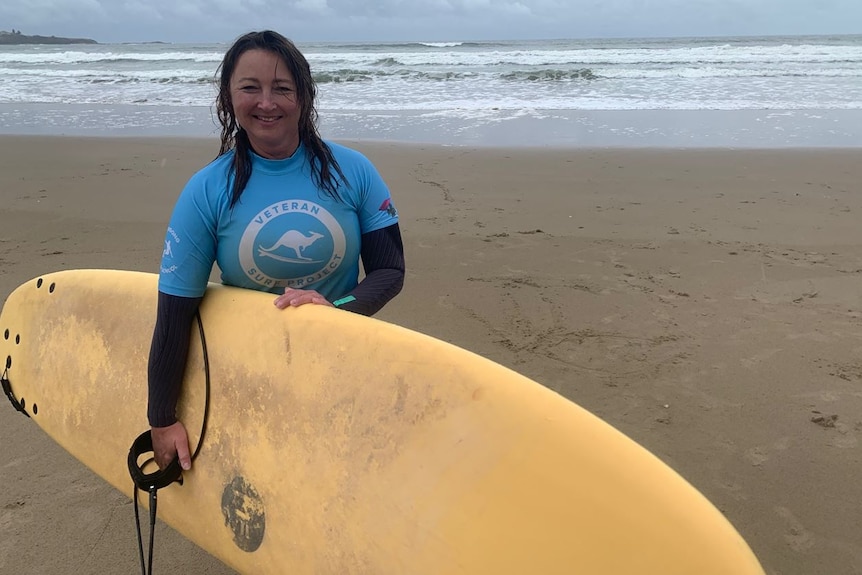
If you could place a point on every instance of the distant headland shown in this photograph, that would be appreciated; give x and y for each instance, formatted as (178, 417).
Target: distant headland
(16, 37)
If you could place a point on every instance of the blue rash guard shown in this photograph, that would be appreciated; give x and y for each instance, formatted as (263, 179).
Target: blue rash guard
(283, 231)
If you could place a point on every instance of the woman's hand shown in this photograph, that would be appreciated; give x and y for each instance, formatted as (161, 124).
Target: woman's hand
(297, 297)
(169, 442)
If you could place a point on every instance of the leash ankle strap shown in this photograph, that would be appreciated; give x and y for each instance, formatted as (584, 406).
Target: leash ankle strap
(151, 483)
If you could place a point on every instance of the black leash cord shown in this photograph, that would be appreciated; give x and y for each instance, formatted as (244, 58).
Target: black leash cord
(152, 482)
(153, 502)
(7, 389)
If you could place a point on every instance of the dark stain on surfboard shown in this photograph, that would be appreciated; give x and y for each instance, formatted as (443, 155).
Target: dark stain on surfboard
(244, 514)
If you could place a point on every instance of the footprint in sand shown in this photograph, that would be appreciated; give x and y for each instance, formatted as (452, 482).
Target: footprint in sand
(734, 489)
(759, 455)
(798, 537)
(6, 548)
(445, 302)
(756, 456)
(844, 439)
(759, 358)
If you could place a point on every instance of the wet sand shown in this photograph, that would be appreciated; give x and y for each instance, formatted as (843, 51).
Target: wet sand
(708, 303)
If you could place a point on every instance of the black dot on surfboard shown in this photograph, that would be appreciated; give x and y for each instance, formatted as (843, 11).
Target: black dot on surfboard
(17, 339)
(6, 334)
(8, 361)
(35, 409)
(51, 288)
(244, 514)
(39, 283)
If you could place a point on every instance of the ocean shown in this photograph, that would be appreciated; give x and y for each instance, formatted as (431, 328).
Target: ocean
(799, 91)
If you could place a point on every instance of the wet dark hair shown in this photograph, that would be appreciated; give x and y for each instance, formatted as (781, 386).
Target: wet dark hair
(324, 166)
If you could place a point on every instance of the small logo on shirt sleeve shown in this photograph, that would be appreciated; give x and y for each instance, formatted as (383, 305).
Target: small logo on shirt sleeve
(171, 240)
(388, 207)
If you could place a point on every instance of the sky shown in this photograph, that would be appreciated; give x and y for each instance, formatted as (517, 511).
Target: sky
(185, 21)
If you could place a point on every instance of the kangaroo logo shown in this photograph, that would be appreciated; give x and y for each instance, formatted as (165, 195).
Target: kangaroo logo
(293, 240)
(291, 243)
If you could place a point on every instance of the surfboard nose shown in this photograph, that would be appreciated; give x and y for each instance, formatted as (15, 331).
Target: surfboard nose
(16, 332)
(9, 346)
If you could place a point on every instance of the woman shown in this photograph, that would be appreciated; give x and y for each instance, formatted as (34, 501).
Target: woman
(278, 210)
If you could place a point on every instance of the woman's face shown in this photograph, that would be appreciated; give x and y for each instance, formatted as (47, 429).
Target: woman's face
(265, 103)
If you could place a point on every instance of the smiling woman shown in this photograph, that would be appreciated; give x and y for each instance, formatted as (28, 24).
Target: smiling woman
(265, 103)
(279, 210)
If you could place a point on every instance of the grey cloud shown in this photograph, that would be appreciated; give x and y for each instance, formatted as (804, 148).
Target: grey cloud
(222, 20)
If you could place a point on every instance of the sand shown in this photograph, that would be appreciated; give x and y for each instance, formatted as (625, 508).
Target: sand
(708, 303)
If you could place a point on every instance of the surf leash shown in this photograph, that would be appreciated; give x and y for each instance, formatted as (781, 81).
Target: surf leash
(152, 482)
(7, 389)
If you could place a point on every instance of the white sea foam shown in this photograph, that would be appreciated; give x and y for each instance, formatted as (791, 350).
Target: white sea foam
(485, 81)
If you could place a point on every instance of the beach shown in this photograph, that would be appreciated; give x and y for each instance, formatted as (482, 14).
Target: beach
(706, 302)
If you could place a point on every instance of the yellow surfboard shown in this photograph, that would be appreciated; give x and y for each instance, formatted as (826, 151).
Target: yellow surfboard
(338, 444)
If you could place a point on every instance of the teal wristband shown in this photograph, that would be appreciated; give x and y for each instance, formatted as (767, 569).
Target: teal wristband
(344, 300)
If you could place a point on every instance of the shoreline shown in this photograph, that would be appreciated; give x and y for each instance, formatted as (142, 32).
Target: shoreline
(705, 302)
(213, 139)
(491, 128)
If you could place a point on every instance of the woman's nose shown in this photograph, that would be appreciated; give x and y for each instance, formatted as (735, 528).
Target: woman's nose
(267, 100)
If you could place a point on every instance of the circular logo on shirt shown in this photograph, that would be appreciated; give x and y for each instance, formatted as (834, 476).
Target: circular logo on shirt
(292, 243)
